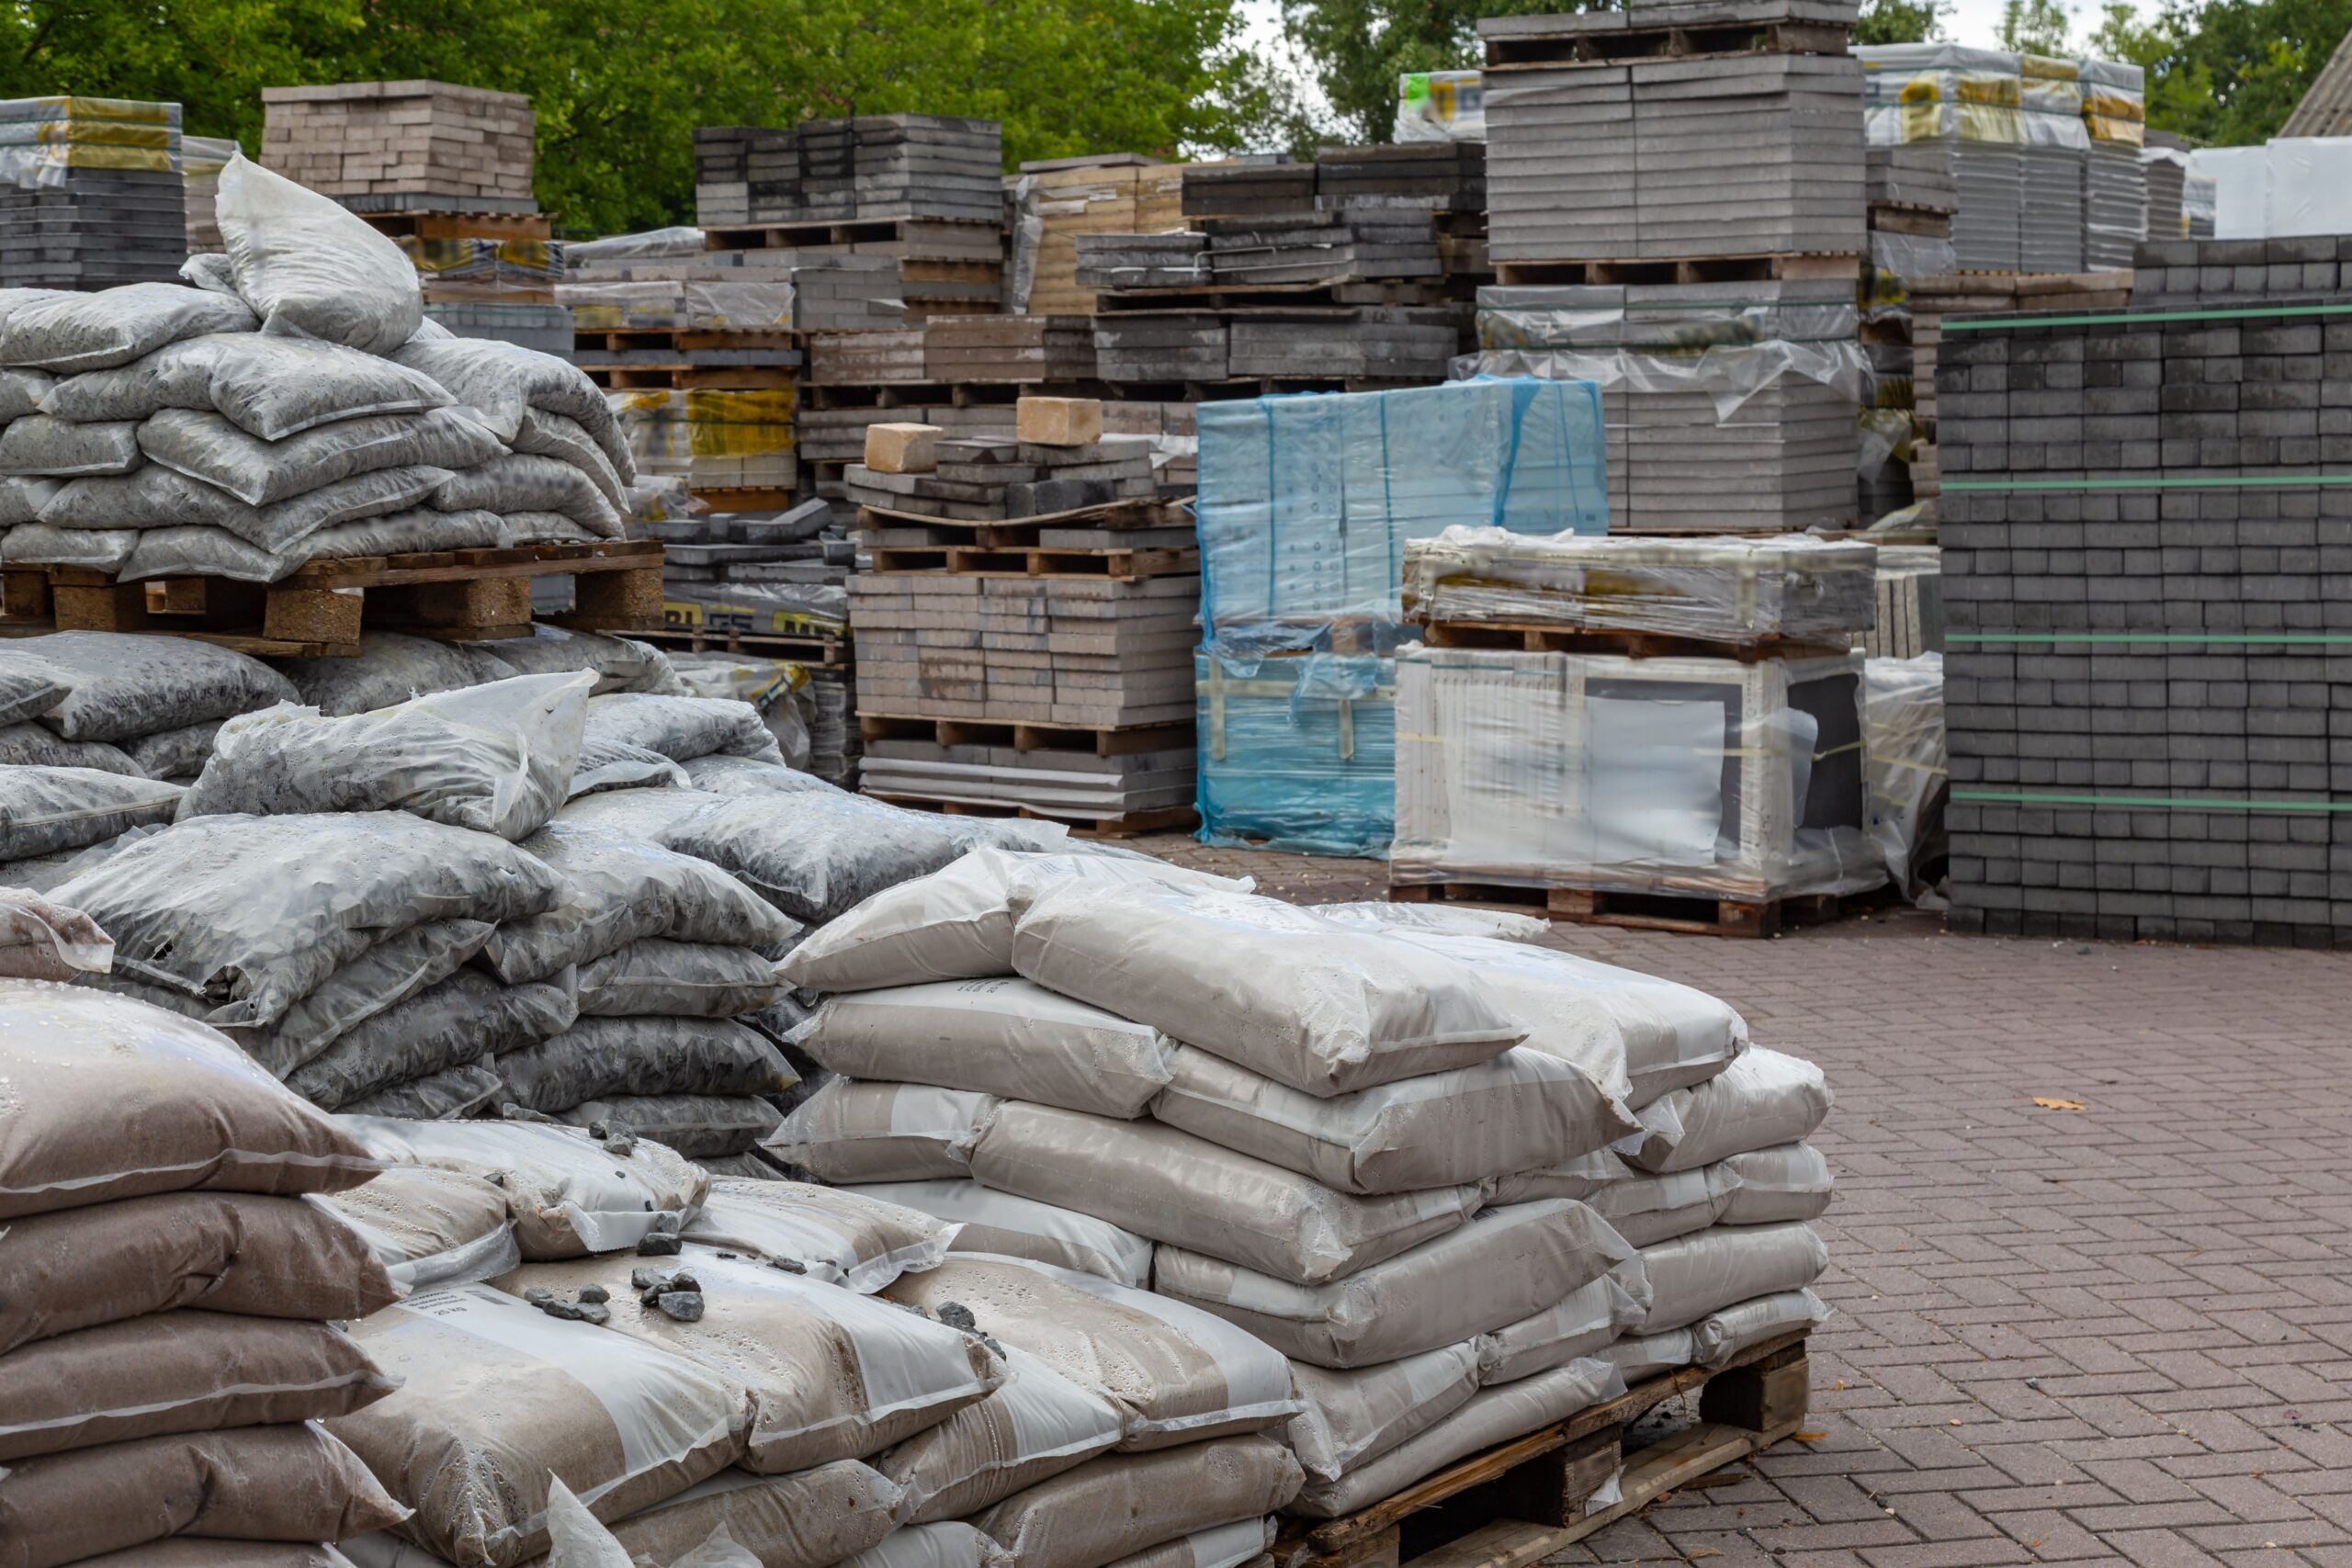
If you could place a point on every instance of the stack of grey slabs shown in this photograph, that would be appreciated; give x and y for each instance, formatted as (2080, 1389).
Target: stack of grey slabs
(2115, 205)
(825, 171)
(1744, 154)
(96, 228)
(2050, 222)
(1070, 784)
(2165, 177)
(1445, 176)
(1238, 189)
(846, 293)
(1142, 261)
(1987, 230)
(724, 158)
(1560, 175)
(1918, 177)
(1360, 243)
(925, 166)
(547, 328)
(1784, 460)
(834, 742)
(1161, 346)
(1386, 343)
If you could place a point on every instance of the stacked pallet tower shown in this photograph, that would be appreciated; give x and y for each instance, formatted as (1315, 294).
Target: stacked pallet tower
(446, 171)
(91, 193)
(1912, 197)
(1025, 626)
(201, 160)
(2150, 702)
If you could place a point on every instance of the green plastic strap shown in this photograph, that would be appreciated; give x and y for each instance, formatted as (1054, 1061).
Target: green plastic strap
(2272, 481)
(1990, 323)
(2145, 802)
(2298, 640)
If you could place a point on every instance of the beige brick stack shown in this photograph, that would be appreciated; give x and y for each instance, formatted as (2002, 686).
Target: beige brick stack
(404, 146)
(1116, 193)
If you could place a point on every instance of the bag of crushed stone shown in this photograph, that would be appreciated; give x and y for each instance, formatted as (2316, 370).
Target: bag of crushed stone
(430, 1228)
(115, 326)
(850, 1132)
(614, 889)
(1647, 1210)
(840, 1236)
(998, 1222)
(303, 263)
(494, 759)
(1221, 1546)
(641, 814)
(262, 1482)
(1177, 1374)
(525, 482)
(234, 910)
(43, 810)
(682, 728)
(557, 435)
(607, 764)
(599, 1058)
(832, 1374)
(175, 753)
(28, 690)
(699, 1126)
(567, 1194)
(383, 976)
(1761, 1100)
(1583, 1323)
(499, 1399)
(687, 979)
(267, 385)
(1694, 1275)
(1109, 1507)
(619, 663)
(810, 855)
(1792, 1182)
(949, 1544)
(1184, 1190)
(1525, 1257)
(162, 504)
(21, 501)
(1353, 1418)
(1445, 919)
(389, 670)
(955, 923)
(177, 1371)
(1035, 1423)
(465, 1018)
(1669, 1035)
(180, 1107)
(41, 941)
(1523, 1109)
(1720, 1335)
(1491, 1415)
(22, 391)
(208, 447)
(42, 447)
(1005, 1037)
(502, 381)
(106, 550)
(225, 1252)
(125, 685)
(720, 775)
(220, 552)
(38, 745)
(445, 1096)
(1320, 1007)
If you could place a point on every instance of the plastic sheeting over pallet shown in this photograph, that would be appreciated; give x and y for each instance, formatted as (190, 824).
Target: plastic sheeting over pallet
(1298, 752)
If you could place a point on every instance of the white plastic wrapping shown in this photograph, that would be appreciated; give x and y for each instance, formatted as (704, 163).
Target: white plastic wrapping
(1580, 1324)
(1647, 1210)
(1909, 758)
(1789, 1181)
(269, 385)
(67, 332)
(850, 1133)
(1123, 1505)
(305, 263)
(41, 941)
(122, 684)
(1013, 1226)
(1036, 1424)
(464, 1019)
(45, 810)
(502, 380)
(599, 1059)
(166, 502)
(842, 1236)
(1763, 1099)
(1720, 1335)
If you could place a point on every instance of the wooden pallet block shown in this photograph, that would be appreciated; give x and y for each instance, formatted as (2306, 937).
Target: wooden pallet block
(1528, 636)
(745, 498)
(691, 378)
(461, 225)
(1671, 42)
(1689, 913)
(825, 651)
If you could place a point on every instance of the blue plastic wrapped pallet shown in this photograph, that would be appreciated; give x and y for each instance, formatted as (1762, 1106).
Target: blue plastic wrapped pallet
(1298, 752)
(1307, 502)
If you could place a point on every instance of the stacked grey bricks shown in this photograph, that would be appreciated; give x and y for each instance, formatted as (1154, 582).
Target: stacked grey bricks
(968, 349)
(2052, 164)
(2236, 272)
(91, 193)
(990, 479)
(1247, 187)
(413, 146)
(892, 166)
(2164, 164)
(1359, 241)
(2116, 205)
(1443, 177)
(2148, 592)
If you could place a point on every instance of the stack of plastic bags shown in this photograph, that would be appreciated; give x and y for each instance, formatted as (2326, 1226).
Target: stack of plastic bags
(289, 404)
(141, 706)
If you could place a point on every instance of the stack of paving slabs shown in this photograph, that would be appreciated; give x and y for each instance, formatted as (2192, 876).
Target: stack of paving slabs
(845, 292)
(170, 1335)
(2199, 273)
(1338, 245)
(1443, 176)
(1009, 348)
(897, 165)
(2117, 189)
(1970, 101)
(2163, 166)
(986, 480)
(2053, 164)
(1246, 188)
(201, 160)
(1371, 343)
(1123, 261)
(1303, 1165)
(91, 192)
(2090, 467)
(1163, 345)
(1063, 202)
(412, 146)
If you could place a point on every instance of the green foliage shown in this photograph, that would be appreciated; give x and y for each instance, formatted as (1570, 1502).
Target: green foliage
(2035, 26)
(1900, 21)
(620, 85)
(1358, 47)
(2227, 72)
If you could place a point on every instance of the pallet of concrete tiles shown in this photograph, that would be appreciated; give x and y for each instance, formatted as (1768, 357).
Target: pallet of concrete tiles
(754, 555)
(1112, 782)
(484, 268)
(1357, 243)
(1107, 481)
(2052, 164)
(1161, 345)
(201, 160)
(1443, 176)
(866, 358)
(1910, 613)
(1071, 199)
(1009, 349)
(92, 192)
(2115, 181)
(1980, 293)
(2164, 164)
(1374, 343)
(1246, 187)
(413, 146)
(1969, 102)
(546, 328)
(1136, 261)
(895, 165)
(1679, 29)
(2239, 272)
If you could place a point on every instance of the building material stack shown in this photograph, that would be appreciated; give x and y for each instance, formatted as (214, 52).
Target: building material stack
(2052, 164)
(92, 193)
(202, 161)
(2118, 199)
(1969, 293)
(1057, 200)
(2164, 164)
(2148, 700)
(1912, 197)
(1968, 104)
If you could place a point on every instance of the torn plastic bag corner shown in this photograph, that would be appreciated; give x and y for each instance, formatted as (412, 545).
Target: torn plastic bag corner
(303, 263)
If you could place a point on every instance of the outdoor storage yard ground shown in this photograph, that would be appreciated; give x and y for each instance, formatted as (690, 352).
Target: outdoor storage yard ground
(2118, 1334)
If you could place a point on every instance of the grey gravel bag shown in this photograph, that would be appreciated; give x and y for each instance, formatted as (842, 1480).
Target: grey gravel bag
(1718, 1336)
(682, 728)
(38, 745)
(718, 774)
(269, 385)
(683, 979)
(619, 663)
(40, 447)
(501, 382)
(465, 1018)
(611, 764)
(598, 1059)
(124, 684)
(495, 759)
(390, 668)
(164, 501)
(522, 481)
(699, 1126)
(175, 753)
(216, 552)
(552, 435)
(205, 445)
(812, 856)
(43, 810)
(23, 392)
(445, 1096)
(1763, 1099)
(115, 326)
(303, 263)
(36, 544)
(21, 500)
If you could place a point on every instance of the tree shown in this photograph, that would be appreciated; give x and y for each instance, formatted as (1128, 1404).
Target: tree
(2227, 72)
(2035, 26)
(1900, 21)
(1358, 47)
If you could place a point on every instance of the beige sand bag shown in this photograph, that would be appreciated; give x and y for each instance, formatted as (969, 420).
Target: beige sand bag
(1037, 1424)
(221, 1554)
(1763, 1100)
(1490, 1416)
(499, 1399)
(1524, 1257)
(1520, 1111)
(134, 1100)
(949, 1544)
(1718, 1336)
(1319, 1005)
(1007, 1037)
(1583, 1323)
(1580, 1178)
(1647, 1210)
(1122, 1504)
(567, 1193)
(1220, 1546)
(430, 1228)
(1789, 1181)
(1353, 1418)
(832, 1374)
(1178, 1189)
(841, 1237)
(284, 1482)
(850, 1133)
(1178, 1375)
(236, 1252)
(989, 1220)
(1694, 1275)
(41, 941)
(177, 1371)
(808, 1519)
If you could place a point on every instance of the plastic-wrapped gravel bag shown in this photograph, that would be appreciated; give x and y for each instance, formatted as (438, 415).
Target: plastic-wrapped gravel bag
(610, 765)
(445, 1096)
(1694, 1275)
(1122, 1504)
(1647, 1210)
(28, 688)
(841, 1237)
(38, 745)
(522, 481)
(552, 435)
(1582, 1323)
(495, 759)
(812, 856)
(1022, 1227)
(430, 1227)
(1720, 1335)
(683, 980)
(463, 1018)
(175, 753)
(218, 552)
(23, 392)
(269, 385)
(1763, 1099)
(683, 727)
(303, 263)
(717, 775)
(41, 941)
(1036, 1424)
(1790, 1181)
(42, 447)
(501, 382)
(21, 500)
(204, 445)
(1353, 1418)
(125, 685)
(115, 326)
(598, 1058)
(388, 668)
(883, 1131)
(161, 501)
(619, 663)
(43, 810)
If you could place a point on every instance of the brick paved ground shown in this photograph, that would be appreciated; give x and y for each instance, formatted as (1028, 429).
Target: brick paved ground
(2118, 1335)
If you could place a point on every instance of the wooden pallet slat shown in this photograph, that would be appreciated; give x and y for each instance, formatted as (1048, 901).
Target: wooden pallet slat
(1028, 735)
(1754, 267)
(961, 560)
(829, 653)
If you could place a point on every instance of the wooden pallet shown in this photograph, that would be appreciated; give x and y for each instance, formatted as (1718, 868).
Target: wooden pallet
(826, 652)
(1692, 913)
(1018, 533)
(1168, 819)
(320, 610)
(827, 232)
(1528, 636)
(680, 377)
(1638, 42)
(461, 225)
(1524, 1500)
(746, 498)
(967, 560)
(1756, 268)
(1026, 735)
(681, 339)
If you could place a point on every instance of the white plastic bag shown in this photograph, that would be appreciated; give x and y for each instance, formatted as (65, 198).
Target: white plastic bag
(306, 264)
(1764, 1099)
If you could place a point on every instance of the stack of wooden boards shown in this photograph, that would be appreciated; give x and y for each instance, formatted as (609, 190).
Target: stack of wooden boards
(91, 193)
(404, 146)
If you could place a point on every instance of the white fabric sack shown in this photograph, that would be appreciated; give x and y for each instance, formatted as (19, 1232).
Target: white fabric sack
(43, 810)
(222, 552)
(1304, 1001)
(699, 1126)
(1524, 1259)
(1792, 1182)
(1121, 1505)
(1639, 1355)
(949, 1544)
(1036, 1424)
(304, 264)
(1694, 1275)
(1583, 1323)
(41, 941)
(986, 1221)
(208, 447)
(1522, 1109)
(431, 1228)
(495, 759)
(811, 855)
(811, 1518)
(955, 923)
(598, 1059)
(1580, 1178)
(567, 1193)
(1220, 1546)
(681, 980)
(38, 446)
(1447, 920)
(124, 684)
(115, 326)
(522, 481)
(1761, 1100)
(1177, 1375)
(1353, 1418)
(1718, 1336)
(269, 385)
(464, 1019)
(1178, 1188)
(838, 1236)
(1647, 1210)
(503, 380)
(850, 1132)
(1490, 1416)
(1005, 1037)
